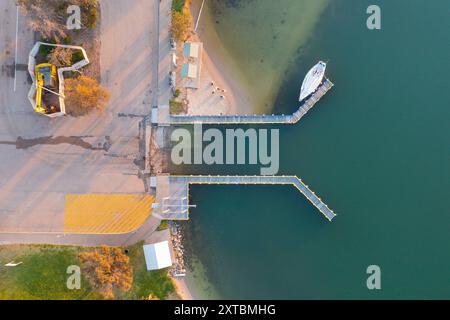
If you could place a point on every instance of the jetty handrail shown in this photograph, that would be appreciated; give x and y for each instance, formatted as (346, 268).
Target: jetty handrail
(281, 180)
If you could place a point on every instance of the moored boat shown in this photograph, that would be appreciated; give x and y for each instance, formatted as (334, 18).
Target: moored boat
(312, 80)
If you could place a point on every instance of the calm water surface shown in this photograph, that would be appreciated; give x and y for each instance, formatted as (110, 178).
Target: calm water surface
(376, 148)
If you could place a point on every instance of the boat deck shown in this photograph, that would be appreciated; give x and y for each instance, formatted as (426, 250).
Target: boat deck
(174, 202)
(172, 192)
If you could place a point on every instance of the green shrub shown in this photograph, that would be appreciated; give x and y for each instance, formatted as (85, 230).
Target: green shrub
(77, 56)
(176, 107)
(67, 39)
(178, 5)
(44, 50)
(91, 16)
(163, 225)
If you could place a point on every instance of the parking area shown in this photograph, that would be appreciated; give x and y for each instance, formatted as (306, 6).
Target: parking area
(42, 160)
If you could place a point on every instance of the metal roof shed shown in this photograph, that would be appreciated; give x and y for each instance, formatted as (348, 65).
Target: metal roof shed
(191, 50)
(189, 71)
(157, 255)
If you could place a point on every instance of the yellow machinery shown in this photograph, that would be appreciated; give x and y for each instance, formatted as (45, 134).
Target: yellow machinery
(46, 78)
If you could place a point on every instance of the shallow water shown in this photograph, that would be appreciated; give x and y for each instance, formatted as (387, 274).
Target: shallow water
(375, 148)
(268, 41)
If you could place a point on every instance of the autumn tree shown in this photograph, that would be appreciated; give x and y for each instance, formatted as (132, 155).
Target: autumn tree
(83, 94)
(107, 269)
(49, 17)
(61, 57)
(181, 24)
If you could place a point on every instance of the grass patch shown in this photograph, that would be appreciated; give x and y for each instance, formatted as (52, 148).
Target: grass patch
(42, 275)
(163, 225)
(176, 107)
(77, 56)
(156, 283)
(43, 52)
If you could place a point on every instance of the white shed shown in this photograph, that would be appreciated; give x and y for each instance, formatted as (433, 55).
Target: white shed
(157, 255)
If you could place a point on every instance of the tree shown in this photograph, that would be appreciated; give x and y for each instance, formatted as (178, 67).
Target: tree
(84, 94)
(42, 17)
(90, 14)
(49, 17)
(61, 57)
(107, 269)
(181, 24)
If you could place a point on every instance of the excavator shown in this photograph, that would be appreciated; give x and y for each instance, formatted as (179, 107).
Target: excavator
(46, 80)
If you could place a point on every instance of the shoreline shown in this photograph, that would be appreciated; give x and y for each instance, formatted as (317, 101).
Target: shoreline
(220, 67)
(182, 289)
(224, 73)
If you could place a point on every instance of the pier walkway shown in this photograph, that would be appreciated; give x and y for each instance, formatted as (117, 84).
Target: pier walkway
(257, 119)
(174, 202)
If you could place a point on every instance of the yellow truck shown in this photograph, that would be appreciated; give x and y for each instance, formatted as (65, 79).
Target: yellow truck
(46, 78)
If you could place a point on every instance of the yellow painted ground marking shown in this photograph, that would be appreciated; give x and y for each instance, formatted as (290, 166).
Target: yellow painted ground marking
(106, 213)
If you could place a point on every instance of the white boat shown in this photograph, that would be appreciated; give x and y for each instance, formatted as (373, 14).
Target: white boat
(312, 80)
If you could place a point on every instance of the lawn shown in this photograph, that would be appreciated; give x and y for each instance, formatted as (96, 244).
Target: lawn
(156, 283)
(42, 275)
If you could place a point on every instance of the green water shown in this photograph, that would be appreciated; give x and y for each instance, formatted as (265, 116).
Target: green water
(376, 149)
(267, 43)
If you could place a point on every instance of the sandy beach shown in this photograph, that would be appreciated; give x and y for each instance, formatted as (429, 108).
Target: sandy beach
(233, 98)
(182, 289)
(220, 67)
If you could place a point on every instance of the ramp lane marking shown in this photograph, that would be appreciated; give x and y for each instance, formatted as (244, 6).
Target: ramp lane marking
(105, 213)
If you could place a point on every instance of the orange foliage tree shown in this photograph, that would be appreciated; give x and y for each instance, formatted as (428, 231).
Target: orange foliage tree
(107, 269)
(181, 24)
(84, 94)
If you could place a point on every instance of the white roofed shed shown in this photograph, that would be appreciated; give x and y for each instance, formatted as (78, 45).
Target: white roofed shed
(157, 255)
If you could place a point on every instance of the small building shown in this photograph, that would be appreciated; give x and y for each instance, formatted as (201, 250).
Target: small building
(191, 50)
(157, 255)
(189, 71)
(192, 64)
